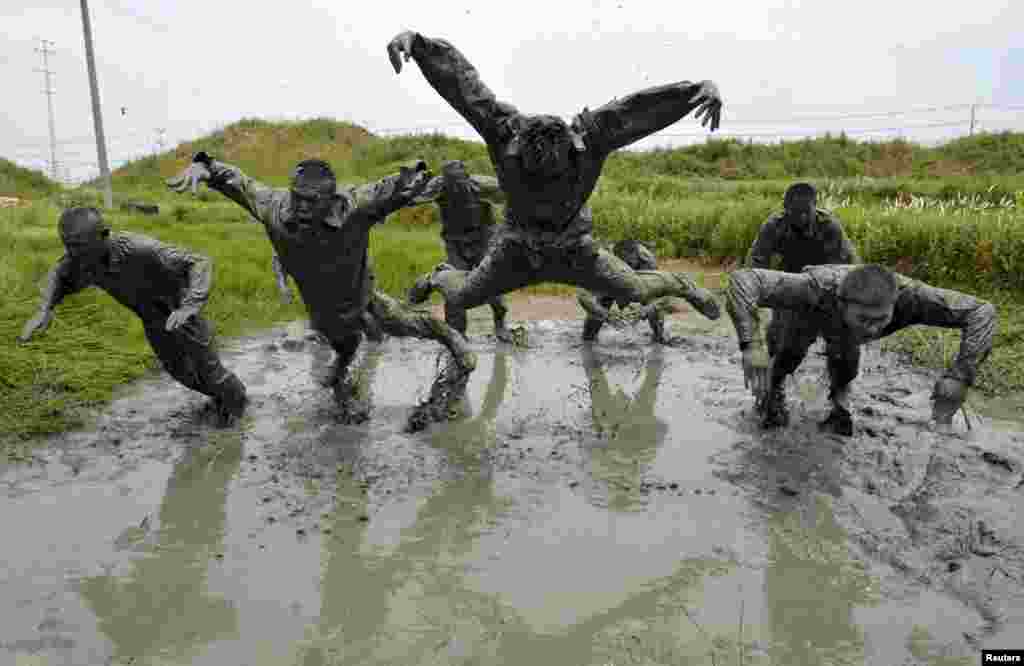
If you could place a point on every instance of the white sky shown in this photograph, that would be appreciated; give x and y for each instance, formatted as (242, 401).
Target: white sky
(190, 67)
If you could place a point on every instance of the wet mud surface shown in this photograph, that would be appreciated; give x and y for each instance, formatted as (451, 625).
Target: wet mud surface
(613, 503)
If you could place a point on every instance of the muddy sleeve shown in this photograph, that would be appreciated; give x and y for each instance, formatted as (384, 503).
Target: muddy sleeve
(248, 193)
(753, 288)
(197, 267)
(976, 319)
(765, 245)
(588, 301)
(845, 252)
(489, 190)
(375, 201)
(624, 121)
(61, 281)
(457, 81)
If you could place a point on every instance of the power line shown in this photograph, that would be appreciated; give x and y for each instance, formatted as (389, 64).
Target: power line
(46, 51)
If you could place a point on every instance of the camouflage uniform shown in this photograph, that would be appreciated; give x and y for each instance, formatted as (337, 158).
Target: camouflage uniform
(330, 263)
(813, 294)
(467, 227)
(638, 258)
(547, 230)
(153, 280)
(827, 245)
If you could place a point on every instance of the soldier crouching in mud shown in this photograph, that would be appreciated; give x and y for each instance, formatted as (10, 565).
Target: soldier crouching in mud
(851, 305)
(548, 170)
(165, 286)
(802, 235)
(599, 307)
(467, 226)
(321, 234)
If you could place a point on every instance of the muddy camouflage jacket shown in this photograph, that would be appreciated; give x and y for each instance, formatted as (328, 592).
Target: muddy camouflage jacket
(144, 275)
(548, 206)
(328, 260)
(814, 292)
(827, 245)
(465, 215)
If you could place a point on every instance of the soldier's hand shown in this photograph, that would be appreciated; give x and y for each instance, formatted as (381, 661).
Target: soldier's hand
(617, 319)
(413, 180)
(179, 317)
(709, 105)
(35, 325)
(947, 397)
(400, 48)
(190, 178)
(755, 373)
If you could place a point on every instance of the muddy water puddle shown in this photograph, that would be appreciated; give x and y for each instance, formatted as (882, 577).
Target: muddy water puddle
(605, 504)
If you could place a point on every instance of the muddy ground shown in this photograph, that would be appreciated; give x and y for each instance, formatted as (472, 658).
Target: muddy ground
(604, 504)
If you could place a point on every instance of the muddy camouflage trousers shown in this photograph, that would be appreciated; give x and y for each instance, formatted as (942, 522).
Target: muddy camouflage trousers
(388, 315)
(791, 334)
(188, 355)
(518, 258)
(466, 254)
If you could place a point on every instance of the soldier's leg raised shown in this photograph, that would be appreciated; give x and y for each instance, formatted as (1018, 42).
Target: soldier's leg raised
(188, 355)
(507, 266)
(601, 271)
(843, 367)
(398, 320)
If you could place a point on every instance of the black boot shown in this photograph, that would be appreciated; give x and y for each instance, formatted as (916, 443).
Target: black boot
(839, 421)
(774, 413)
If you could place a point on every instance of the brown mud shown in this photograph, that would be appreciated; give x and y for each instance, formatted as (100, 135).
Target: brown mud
(613, 503)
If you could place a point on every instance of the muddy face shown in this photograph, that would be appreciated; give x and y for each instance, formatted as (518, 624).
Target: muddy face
(865, 322)
(801, 212)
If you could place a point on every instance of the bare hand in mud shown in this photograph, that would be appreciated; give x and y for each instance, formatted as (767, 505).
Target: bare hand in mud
(947, 397)
(35, 325)
(400, 48)
(179, 317)
(755, 374)
(189, 179)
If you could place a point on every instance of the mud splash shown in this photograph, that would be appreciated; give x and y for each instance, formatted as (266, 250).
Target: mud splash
(604, 504)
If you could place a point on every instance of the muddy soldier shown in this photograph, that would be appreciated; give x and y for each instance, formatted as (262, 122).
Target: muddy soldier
(852, 305)
(599, 307)
(467, 225)
(321, 234)
(548, 169)
(801, 235)
(165, 286)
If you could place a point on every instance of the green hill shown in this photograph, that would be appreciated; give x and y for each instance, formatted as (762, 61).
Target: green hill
(16, 181)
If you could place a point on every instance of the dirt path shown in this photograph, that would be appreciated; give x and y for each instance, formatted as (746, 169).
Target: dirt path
(601, 504)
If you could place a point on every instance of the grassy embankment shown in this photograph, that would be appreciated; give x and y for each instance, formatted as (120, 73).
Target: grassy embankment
(951, 216)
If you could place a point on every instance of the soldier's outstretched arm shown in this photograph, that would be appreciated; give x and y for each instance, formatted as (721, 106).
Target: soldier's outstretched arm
(431, 192)
(764, 246)
(753, 288)
(60, 282)
(200, 280)
(624, 121)
(229, 180)
(375, 201)
(456, 80)
(931, 306)
(281, 275)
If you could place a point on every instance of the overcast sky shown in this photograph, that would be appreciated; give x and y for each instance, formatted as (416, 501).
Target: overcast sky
(783, 67)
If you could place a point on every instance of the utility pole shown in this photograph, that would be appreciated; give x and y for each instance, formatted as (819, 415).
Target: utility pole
(45, 50)
(972, 119)
(97, 118)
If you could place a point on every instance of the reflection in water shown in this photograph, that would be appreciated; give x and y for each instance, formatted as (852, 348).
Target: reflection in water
(811, 588)
(162, 607)
(629, 432)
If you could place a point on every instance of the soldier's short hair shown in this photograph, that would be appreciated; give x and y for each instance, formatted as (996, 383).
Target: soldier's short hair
(313, 173)
(81, 219)
(635, 254)
(869, 284)
(800, 190)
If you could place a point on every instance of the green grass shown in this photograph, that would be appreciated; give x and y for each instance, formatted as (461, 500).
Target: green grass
(952, 216)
